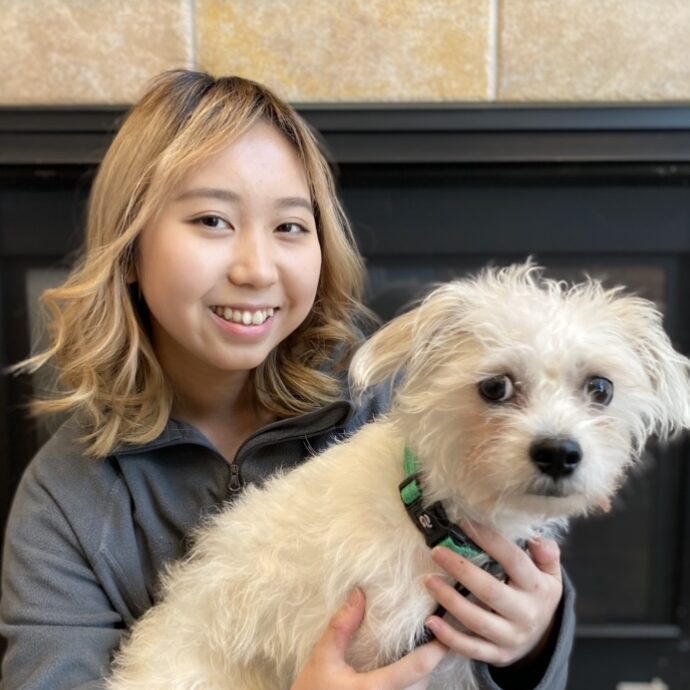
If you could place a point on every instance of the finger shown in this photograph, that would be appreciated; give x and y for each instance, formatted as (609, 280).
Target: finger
(411, 669)
(335, 641)
(477, 619)
(463, 643)
(518, 566)
(495, 594)
(547, 556)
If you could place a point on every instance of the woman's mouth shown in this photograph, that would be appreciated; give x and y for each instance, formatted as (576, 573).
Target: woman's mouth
(246, 317)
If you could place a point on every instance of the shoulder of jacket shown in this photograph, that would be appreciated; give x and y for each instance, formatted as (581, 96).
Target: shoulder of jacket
(374, 402)
(76, 481)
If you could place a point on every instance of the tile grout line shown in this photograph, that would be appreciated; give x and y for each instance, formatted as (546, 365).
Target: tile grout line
(493, 49)
(191, 4)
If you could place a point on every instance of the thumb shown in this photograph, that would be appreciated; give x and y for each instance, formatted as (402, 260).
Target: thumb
(342, 627)
(547, 556)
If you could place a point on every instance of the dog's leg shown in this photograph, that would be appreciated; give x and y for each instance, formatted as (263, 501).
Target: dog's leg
(176, 645)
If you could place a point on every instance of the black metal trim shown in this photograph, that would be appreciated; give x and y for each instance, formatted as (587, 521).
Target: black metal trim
(480, 117)
(399, 133)
(629, 631)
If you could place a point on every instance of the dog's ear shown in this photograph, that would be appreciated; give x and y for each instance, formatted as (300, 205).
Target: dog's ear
(667, 369)
(384, 355)
(413, 343)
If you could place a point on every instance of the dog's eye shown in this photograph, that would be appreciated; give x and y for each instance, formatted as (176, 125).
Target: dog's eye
(599, 389)
(497, 389)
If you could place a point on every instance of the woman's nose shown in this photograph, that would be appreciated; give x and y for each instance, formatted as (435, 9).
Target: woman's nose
(252, 261)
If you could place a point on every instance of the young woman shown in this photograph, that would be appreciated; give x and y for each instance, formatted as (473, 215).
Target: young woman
(201, 344)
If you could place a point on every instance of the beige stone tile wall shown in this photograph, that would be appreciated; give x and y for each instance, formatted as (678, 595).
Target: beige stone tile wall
(594, 50)
(70, 52)
(378, 50)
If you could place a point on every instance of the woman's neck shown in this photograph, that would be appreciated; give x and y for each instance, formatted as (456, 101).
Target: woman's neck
(225, 411)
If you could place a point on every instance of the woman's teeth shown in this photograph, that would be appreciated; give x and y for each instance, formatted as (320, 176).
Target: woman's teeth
(248, 318)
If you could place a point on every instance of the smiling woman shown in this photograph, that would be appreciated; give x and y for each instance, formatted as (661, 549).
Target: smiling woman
(237, 238)
(206, 306)
(172, 171)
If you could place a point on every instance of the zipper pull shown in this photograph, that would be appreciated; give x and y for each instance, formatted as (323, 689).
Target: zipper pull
(235, 481)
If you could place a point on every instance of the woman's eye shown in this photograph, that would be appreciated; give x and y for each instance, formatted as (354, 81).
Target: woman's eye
(497, 389)
(213, 222)
(291, 228)
(599, 389)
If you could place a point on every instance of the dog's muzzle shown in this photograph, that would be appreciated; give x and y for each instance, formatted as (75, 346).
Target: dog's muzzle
(556, 457)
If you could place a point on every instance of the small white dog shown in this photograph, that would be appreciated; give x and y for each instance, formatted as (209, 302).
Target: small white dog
(524, 401)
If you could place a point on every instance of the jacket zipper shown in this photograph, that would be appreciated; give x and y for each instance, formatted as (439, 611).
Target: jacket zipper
(235, 479)
(236, 484)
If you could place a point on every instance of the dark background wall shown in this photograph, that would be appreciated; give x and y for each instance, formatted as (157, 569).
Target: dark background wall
(435, 192)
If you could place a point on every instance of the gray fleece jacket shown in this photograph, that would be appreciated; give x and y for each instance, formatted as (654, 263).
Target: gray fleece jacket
(86, 539)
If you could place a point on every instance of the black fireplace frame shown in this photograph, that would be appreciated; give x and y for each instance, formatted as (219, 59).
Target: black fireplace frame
(400, 134)
(40, 147)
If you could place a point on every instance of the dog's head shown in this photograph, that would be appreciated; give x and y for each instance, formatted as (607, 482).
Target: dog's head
(524, 395)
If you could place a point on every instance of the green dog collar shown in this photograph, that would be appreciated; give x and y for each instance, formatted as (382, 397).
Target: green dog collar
(432, 520)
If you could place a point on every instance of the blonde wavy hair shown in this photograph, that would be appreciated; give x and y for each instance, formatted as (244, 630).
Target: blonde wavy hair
(107, 371)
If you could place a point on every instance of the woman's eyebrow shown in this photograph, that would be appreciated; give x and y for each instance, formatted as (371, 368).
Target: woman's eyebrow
(292, 201)
(209, 193)
(233, 197)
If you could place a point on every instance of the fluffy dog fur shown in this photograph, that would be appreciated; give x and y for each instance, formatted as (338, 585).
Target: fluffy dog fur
(245, 609)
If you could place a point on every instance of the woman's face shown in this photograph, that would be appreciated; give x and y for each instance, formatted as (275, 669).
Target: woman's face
(231, 265)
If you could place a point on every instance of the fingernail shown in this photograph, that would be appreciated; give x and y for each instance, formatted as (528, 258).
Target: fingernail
(438, 553)
(353, 597)
(431, 623)
(546, 549)
(443, 555)
(431, 582)
(550, 545)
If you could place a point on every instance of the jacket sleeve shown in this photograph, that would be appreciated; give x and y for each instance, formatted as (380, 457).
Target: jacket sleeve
(549, 672)
(58, 623)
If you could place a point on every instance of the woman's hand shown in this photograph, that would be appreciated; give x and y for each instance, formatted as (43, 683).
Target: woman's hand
(327, 667)
(517, 617)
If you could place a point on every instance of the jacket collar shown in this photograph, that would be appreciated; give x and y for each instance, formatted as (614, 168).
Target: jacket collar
(177, 432)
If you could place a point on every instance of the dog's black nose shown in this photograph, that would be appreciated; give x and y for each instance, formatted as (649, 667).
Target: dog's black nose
(557, 457)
